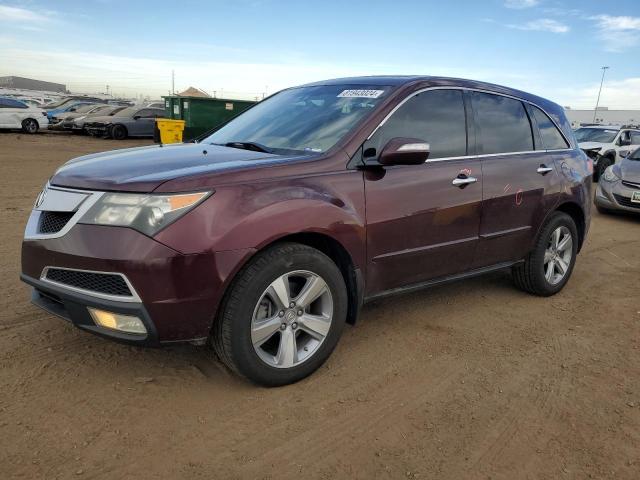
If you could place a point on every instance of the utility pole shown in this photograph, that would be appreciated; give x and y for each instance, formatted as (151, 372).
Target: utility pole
(107, 89)
(595, 112)
(173, 82)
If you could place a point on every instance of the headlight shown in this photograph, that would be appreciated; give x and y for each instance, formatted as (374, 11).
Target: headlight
(146, 213)
(609, 175)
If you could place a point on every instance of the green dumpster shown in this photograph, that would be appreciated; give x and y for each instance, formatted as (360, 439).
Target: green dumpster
(202, 113)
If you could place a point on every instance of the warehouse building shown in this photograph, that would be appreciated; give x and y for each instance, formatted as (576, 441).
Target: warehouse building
(31, 84)
(603, 116)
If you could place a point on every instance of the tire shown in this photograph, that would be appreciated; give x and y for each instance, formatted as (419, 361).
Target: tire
(603, 164)
(119, 132)
(250, 305)
(30, 126)
(532, 275)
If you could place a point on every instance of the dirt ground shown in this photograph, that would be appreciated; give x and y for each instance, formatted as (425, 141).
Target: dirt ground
(474, 380)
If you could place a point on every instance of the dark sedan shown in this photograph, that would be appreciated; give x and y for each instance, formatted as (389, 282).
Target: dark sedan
(130, 122)
(619, 187)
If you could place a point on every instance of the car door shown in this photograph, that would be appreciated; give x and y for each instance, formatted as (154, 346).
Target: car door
(12, 113)
(521, 180)
(142, 123)
(420, 225)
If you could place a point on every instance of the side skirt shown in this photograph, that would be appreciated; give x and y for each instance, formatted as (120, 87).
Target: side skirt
(439, 281)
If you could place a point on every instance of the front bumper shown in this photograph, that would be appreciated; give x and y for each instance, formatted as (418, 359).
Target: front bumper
(97, 130)
(179, 293)
(616, 196)
(73, 307)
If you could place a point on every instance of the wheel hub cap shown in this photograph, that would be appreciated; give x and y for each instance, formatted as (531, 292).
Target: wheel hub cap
(292, 319)
(558, 255)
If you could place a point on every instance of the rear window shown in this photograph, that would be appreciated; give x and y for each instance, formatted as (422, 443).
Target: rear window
(502, 124)
(552, 139)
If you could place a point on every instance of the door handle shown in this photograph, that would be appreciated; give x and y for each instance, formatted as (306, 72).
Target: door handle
(543, 169)
(463, 182)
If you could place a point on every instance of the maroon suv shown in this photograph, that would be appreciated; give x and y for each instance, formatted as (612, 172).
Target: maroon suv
(266, 236)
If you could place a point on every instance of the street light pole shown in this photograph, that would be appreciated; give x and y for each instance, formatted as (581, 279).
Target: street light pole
(595, 112)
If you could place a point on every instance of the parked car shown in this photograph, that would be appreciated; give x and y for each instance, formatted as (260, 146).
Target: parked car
(266, 237)
(15, 114)
(619, 186)
(78, 123)
(603, 144)
(56, 114)
(129, 122)
(64, 121)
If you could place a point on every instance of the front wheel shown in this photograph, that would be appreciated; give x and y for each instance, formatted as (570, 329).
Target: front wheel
(546, 270)
(283, 315)
(30, 126)
(118, 132)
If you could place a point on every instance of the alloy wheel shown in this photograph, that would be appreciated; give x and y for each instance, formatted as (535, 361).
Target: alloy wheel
(292, 319)
(557, 256)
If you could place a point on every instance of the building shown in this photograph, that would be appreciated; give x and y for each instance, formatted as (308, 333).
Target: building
(31, 84)
(604, 116)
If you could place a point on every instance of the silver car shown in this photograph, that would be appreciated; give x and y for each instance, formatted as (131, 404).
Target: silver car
(619, 186)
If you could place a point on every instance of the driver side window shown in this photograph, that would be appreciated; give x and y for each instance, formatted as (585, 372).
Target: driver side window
(435, 116)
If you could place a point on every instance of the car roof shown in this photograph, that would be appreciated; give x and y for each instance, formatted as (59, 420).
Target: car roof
(604, 127)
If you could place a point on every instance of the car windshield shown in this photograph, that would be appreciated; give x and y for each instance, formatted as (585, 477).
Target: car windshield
(305, 119)
(634, 155)
(600, 135)
(128, 112)
(85, 108)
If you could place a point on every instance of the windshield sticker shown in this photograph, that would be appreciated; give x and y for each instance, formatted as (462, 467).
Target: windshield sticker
(360, 93)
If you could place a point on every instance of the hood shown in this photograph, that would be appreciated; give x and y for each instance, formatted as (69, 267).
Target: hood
(144, 169)
(101, 118)
(630, 170)
(590, 145)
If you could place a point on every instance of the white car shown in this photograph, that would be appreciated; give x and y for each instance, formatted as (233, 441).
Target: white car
(607, 145)
(18, 115)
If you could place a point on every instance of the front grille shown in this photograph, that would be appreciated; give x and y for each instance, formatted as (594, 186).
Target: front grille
(105, 283)
(631, 184)
(53, 222)
(625, 202)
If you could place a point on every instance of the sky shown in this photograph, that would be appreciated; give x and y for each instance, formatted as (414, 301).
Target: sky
(247, 48)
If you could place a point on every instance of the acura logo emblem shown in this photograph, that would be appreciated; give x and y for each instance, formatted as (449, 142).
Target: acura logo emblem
(41, 197)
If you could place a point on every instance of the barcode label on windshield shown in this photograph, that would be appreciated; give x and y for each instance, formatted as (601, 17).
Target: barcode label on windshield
(360, 93)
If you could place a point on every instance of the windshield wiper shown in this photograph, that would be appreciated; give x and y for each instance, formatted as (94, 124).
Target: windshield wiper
(253, 146)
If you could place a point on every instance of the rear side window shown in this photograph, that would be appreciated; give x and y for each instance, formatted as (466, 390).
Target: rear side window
(635, 138)
(436, 117)
(552, 139)
(10, 103)
(502, 124)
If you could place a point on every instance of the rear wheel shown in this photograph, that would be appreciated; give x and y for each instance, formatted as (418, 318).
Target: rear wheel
(118, 132)
(283, 315)
(30, 126)
(548, 267)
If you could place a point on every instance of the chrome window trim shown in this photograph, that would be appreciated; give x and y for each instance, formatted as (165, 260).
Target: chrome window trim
(470, 89)
(133, 298)
(31, 230)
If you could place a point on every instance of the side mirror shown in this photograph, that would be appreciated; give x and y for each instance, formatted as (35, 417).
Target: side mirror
(137, 117)
(72, 109)
(404, 151)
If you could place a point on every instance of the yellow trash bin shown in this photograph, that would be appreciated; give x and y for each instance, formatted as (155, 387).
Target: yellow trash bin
(169, 131)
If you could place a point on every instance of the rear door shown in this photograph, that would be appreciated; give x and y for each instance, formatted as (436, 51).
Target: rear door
(419, 224)
(521, 181)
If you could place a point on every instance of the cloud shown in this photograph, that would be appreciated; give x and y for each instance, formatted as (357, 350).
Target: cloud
(22, 15)
(618, 33)
(520, 4)
(542, 25)
(616, 95)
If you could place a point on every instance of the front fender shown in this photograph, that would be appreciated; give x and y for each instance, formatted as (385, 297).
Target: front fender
(254, 215)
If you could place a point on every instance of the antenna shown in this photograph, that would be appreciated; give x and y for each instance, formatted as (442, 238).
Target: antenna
(595, 112)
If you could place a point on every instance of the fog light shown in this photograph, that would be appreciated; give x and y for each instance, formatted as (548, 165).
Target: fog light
(117, 321)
